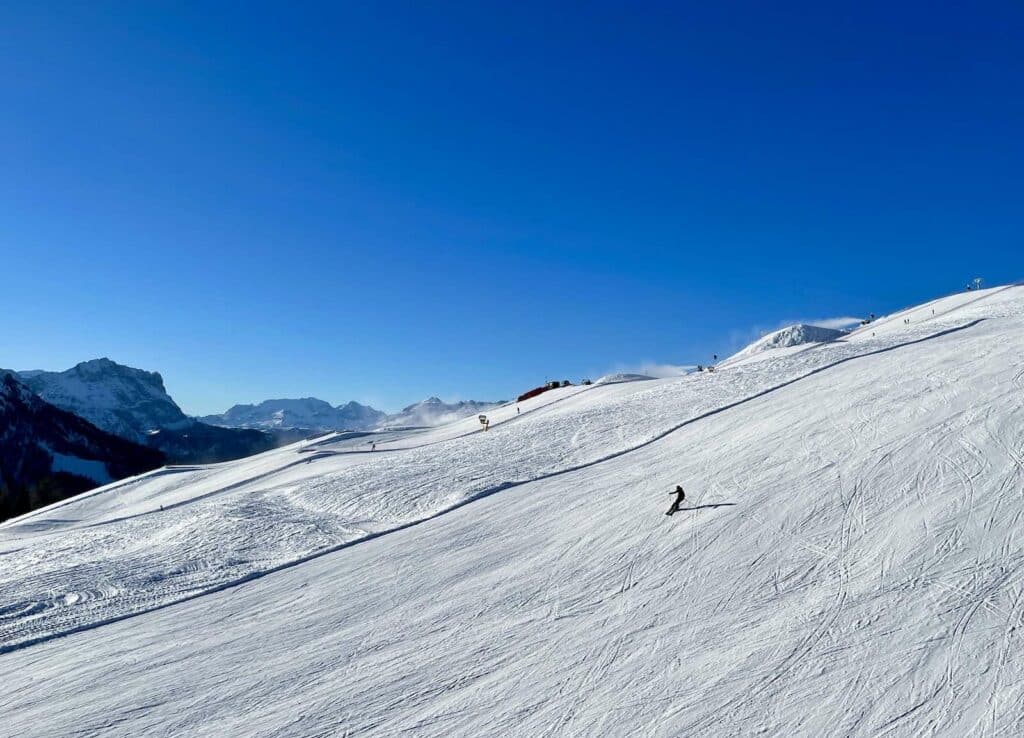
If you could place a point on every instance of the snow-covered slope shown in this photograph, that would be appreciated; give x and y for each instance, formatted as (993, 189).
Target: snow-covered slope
(308, 413)
(119, 399)
(433, 411)
(785, 338)
(849, 563)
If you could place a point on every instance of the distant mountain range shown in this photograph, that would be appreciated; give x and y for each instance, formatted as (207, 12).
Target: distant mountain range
(317, 415)
(308, 412)
(134, 404)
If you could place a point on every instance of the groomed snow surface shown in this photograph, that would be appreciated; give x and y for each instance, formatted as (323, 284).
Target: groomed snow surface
(849, 563)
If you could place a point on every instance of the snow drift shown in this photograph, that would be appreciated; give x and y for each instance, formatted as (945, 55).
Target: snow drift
(788, 337)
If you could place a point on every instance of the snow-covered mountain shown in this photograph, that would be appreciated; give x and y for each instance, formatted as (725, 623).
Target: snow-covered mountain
(848, 563)
(794, 335)
(47, 454)
(305, 413)
(119, 399)
(433, 411)
(359, 417)
(133, 404)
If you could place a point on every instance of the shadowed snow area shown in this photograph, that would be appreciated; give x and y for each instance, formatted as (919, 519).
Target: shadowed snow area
(851, 563)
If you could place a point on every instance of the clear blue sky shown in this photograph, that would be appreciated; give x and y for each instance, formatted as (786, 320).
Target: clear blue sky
(383, 201)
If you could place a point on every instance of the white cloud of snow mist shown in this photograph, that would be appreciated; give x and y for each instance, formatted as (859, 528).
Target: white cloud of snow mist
(653, 369)
(837, 323)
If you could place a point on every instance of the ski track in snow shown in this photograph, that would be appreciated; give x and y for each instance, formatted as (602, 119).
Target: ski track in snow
(864, 578)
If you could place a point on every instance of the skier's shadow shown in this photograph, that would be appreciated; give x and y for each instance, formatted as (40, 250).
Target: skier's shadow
(708, 507)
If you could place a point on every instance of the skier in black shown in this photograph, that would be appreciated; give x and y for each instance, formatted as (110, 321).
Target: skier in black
(680, 496)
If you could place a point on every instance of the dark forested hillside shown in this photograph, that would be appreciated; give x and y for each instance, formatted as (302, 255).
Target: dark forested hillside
(47, 454)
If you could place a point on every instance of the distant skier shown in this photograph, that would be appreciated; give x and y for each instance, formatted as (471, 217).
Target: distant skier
(373, 446)
(517, 409)
(680, 496)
